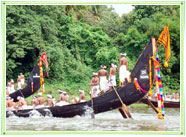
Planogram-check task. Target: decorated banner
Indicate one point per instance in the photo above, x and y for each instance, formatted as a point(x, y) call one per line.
point(164, 39)
point(159, 90)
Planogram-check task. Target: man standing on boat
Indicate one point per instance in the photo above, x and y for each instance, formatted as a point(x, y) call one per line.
point(123, 68)
point(22, 80)
point(18, 83)
point(94, 83)
point(12, 85)
point(102, 74)
point(112, 76)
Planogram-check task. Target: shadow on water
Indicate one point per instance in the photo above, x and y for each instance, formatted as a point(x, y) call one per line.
point(144, 119)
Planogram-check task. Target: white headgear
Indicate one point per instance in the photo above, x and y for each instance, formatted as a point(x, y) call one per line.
point(40, 93)
point(95, 74)
point(18, 97)
point(50, 96)
point(82, 91)
point(123, 54)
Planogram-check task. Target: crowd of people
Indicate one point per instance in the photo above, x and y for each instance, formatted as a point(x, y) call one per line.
point(173, 97)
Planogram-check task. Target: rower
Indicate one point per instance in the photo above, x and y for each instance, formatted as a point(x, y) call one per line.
point(7, 92)
point(18, 83)
point(22, 104)
point(40, 100)
point(123, 68)
point(112, 76)
point(66, 97)
point(34, 101)
point(9, 87)
point(61, 95)
point(12, 86)
point(22, 80)
point(49, 101)
point(81, 97)
point(61, 101)
point(9, 104)
point(94, 85)
point(14, 104)
point(102, 74)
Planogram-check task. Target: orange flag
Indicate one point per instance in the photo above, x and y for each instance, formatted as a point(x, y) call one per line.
point(164, 38)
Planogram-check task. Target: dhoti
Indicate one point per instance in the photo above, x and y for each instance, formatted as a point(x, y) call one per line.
point(95, 92)
point(123, 73)
point(103, 83)
point(62, 103)
point(22, 82)
point(112, 81)
point(19, 85)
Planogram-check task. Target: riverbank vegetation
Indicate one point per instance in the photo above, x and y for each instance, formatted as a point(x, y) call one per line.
point(78, 39)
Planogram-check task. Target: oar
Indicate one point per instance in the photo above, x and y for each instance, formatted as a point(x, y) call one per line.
point(124, 107)
point(92, 114)
point(149, 102)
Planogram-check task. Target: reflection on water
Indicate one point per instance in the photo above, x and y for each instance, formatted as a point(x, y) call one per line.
point(144, 119)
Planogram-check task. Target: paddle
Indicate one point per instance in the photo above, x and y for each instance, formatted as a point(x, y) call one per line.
point(153, 107)
point(124, 107)
point(92, 114)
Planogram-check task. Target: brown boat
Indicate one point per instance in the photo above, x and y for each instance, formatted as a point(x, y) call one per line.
point(167, 104)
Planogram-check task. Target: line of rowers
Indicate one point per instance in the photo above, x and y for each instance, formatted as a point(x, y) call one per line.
point(100, 83)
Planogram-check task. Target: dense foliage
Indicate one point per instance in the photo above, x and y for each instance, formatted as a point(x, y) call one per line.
point(78, 39)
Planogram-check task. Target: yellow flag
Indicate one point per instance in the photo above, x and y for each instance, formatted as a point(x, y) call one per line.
point(164, 38)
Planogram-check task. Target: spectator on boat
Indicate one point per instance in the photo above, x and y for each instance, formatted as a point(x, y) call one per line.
point(40, 100)
point(22, 104)
point(103, 82)
point(173, 98)
point(12, 86)
point(22, 80)
point(7, 92)
point(18, 83)
point(123, 68)
point(81, 97)
point(94, 85)
point(112, 76)
point(177, 97)
point(49, 101)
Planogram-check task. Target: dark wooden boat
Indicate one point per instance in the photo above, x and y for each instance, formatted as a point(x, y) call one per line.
point(167, 104)
point(27, 91)
point(108, 101)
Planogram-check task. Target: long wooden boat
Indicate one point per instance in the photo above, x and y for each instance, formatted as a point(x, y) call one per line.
point(167, 104)
point(108, 101)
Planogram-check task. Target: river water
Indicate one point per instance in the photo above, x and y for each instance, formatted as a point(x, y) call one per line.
point(144, 119)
